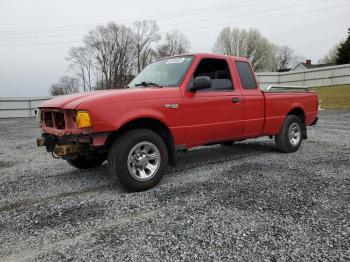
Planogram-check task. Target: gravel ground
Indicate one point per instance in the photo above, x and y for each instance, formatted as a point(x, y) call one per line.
point(246, 202)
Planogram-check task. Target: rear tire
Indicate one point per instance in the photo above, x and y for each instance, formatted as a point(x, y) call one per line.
point(138, 159)
point(291, 135)
point(83, 162)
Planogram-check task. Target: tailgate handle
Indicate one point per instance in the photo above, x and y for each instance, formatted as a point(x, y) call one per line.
point(235, 100)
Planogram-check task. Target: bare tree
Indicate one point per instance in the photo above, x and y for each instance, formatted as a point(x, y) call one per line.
point(250, 44)
point(175, 43)
point(66, 85)
point(146, 33)
point(284, 58)
point(114, 54)
point(81, 58)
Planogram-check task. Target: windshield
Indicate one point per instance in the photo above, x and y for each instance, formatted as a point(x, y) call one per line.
point(166, 72)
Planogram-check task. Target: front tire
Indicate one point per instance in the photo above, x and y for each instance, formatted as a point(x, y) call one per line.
point(83, 162)
point(290, 137)
point(138, 159)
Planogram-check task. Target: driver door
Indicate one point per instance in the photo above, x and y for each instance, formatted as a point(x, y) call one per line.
point(213, 114)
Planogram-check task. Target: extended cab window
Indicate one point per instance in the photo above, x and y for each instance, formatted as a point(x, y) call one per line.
point(218, 71)
point(246, 75)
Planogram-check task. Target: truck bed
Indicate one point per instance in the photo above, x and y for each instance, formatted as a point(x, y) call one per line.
point(278, 102)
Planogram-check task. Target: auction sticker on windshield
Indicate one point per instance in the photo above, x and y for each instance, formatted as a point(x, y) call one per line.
point(176, 60)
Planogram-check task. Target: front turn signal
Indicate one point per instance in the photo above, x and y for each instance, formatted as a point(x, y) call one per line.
point(83, 119)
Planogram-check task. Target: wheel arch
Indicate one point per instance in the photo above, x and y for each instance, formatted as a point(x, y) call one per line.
point(150, 123)
point(299, 112)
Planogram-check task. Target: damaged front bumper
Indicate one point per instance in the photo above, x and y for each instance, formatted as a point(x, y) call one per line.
point(70, 146)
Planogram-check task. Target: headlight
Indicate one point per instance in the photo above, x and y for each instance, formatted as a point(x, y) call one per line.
point(37, 113)
point(83, 119)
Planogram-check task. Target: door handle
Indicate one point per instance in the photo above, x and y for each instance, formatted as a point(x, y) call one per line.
point(235, 99)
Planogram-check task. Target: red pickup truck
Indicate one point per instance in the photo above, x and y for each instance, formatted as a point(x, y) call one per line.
point(174, 104)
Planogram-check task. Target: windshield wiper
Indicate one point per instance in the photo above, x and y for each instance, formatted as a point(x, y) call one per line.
point(146, 83)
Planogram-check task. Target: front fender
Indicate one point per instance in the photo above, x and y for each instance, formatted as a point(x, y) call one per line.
point(137, 114)
point(111, 117)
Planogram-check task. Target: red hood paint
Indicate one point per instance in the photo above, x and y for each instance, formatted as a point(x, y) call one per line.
point(83, 100)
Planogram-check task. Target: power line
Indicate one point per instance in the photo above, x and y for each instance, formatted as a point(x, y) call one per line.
point(36, 37)
point(247, 13)
point(263, 18)
point(241, 14)
point(40, 44)
point(186, 22)
point(310, 28)
point(166, 16)
point(210, 26)
point(159, 16)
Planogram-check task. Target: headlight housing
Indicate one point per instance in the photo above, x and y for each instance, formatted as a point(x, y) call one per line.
point(83, 119)
point(37, 113)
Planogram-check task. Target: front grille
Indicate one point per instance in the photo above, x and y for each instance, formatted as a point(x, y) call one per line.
point(48, 119)
point(59, 120)
point(54, 119)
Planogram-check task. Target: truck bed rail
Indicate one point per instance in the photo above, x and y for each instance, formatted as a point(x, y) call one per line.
point(277, 88)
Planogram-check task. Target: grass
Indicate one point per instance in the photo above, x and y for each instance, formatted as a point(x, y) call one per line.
point(334, 97)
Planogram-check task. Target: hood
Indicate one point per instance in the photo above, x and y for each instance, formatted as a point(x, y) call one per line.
point(66, 101)
point(110, 96)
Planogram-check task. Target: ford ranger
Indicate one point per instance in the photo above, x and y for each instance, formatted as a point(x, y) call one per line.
point(174, 104)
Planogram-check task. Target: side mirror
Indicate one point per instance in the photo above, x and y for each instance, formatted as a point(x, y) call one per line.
point(201, 82)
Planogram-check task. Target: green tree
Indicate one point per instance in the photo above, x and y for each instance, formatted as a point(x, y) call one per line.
point(344, 51)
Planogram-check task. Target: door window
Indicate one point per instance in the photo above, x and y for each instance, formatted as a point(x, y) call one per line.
point(219, 73)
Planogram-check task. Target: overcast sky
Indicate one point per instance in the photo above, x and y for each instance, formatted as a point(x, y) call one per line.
point(36, 35)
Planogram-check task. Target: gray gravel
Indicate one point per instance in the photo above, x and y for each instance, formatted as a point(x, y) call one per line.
point(245, 202)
